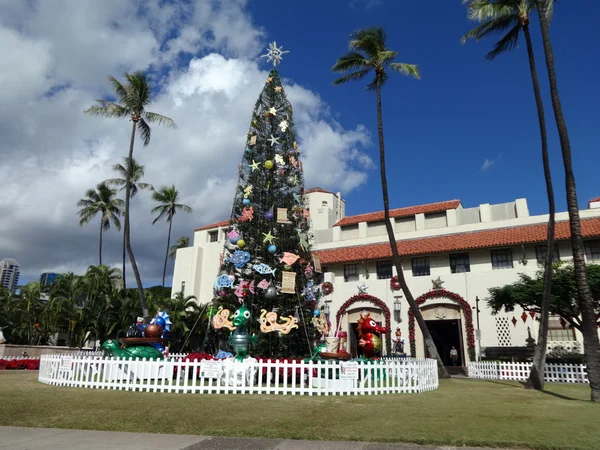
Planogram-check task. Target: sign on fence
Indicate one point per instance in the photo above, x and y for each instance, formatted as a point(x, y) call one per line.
point(65, 362)
point(349, 370)
point(210, 369)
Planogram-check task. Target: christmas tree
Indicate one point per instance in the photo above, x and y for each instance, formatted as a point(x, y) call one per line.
point(266, 262)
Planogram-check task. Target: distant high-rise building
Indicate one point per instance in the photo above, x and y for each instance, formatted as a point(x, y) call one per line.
point(9, 273)
point(47, 279)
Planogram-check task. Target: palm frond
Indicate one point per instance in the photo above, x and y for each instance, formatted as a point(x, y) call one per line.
point(411, 70)
point(107, 109)
point(158, 119)
point(163, 209)
point(368, 40)
point(352, 76)
point(496, 25)
point(507, 43)
point(119, 90)
point(144, 130)
point(351, 61)
point(184, 208)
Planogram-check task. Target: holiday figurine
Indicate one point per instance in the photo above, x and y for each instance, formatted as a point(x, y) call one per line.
point(368, 338)
point(240, 340)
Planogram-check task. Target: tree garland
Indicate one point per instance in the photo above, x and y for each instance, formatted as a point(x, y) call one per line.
point(443, 293)
point(376, 302)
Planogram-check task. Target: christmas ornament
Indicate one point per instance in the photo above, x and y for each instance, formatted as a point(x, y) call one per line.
point(279, 160)
point(241, 243)
point(247, 214)
point(273, 112)
point(289, 258)
point(268, 164)
point(273, 140)
point(316, 313)
point(274, 53)
point(264, 269)
point(269, 215)
point(240, 258)
point(290, 181)
point(254, 165)
point(271, 292)
point(263, 284)
point(248, 191)
point(288, 282)
point(234, 240)
point(272, 248)
point(278, 89)
point(223, 281)
point(269, 322)
point(246, 202)
point(283, 125)
point(282, 215)
point(268, 237)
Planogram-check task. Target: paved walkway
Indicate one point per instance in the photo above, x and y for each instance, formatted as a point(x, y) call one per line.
point(18, 438)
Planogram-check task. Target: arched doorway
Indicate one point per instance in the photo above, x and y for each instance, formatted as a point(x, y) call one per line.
point(379, 304)
point(464, 307)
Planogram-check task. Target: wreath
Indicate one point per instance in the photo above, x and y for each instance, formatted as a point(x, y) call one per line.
point(395, 283)
point(327, 288)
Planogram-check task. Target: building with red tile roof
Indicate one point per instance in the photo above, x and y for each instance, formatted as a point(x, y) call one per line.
point(463, 250)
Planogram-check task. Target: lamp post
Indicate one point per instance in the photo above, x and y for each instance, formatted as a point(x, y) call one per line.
point(478, 331)
point(397, 310)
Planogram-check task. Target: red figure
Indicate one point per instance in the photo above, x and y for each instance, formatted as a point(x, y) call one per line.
point(370, 342)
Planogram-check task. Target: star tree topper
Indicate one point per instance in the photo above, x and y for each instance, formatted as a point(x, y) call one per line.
point(274, 54)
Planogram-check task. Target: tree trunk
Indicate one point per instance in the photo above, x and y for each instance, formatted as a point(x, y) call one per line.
point(124, 260)
point(134, 266)
point(100, 247)
point(442, 372)
point(536, 376)
point(591, 345)
point(167, 255)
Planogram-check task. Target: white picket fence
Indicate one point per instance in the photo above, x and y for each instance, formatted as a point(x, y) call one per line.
point(248, 377)
point(79, 353)
point(556, 373)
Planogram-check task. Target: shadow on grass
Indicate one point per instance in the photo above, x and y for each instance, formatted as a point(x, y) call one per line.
point(506, 383)
point(563, 397)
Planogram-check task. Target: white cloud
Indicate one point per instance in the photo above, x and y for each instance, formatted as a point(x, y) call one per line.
point(487, 164)
point(58, 55)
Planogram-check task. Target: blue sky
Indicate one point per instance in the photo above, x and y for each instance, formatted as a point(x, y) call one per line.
point(465, 110)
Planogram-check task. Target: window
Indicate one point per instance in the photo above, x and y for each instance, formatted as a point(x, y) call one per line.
point(556, 332)
point(384, 270)
point(324, 269)
point(540, 254)
point(324, 204)
point(213, 236)
point(420, 267)
point(183, 288)
point(592, 251)
point(459, 263)
point(350, 272)
point(502, 259)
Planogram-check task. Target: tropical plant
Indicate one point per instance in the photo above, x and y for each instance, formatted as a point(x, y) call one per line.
point(181, 242)
point(132, 99)
point(101, 201)
point(137, 173)
point(369, 55)
point(498, 16)
point(167, 198)
point(591, 344)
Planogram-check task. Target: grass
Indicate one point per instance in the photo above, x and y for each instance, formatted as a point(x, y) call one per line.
point(460, 412)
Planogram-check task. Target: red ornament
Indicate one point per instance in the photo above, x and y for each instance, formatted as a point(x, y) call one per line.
point(514, 321)
point(524, 317)
point(532, 313)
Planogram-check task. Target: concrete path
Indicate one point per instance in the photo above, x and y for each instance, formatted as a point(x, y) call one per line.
point(19, 438)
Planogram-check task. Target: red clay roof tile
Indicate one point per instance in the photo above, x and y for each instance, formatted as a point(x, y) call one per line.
point(525, 234)
point(318, 189)
point(400, 212)
point(223, 223)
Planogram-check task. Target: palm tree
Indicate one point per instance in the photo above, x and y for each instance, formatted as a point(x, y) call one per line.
point(101, 200)
point(137, 173)
point(369, 54)
point(591, 344)
point(133, 98)
point(181, 242)
point(513, 15)
point(167, 197)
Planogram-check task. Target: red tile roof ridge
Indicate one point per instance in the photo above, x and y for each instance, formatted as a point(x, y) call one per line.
point(213, 225)
point(469, 240)
point(400, 212)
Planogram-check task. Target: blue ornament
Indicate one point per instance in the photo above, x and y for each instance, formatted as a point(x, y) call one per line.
point(234, 240)
point(240, 258)
point(223, 281)
point(246, 202)
point(272, 248)
point(316, 313)
point(160, 321)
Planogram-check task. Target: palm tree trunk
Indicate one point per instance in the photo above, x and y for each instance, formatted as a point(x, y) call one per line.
point(134, 266)
point(442, 372)
point(100, 247)
point(167, 254)
point(536, 376)
point(591, 344)
point(124, 259)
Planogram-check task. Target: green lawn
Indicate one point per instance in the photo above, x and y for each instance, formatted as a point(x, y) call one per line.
point(460, 412)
